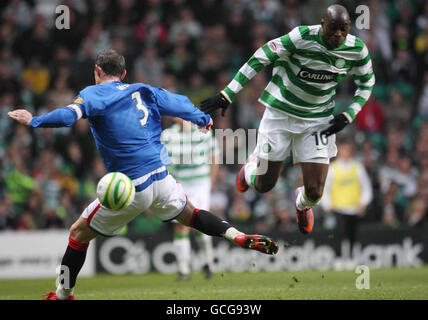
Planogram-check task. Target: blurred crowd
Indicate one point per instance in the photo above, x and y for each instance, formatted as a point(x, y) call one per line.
point(194, 48)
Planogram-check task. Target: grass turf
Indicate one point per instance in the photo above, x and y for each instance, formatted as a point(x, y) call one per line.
point(392, 283)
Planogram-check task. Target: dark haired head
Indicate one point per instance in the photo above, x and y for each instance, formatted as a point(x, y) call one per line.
point(111, 62)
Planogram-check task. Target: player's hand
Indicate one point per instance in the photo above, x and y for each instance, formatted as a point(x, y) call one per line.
point(337, 124)
point(213, 103)
point(21, 115)
point(207, 127)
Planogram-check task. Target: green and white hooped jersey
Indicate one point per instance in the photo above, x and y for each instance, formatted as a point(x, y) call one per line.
point(306, 74)
point(190, 151)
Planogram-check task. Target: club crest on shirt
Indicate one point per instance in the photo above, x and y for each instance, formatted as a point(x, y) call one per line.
point(272, 46)
point(78, 100)
point(267, 147)
point(339, 63)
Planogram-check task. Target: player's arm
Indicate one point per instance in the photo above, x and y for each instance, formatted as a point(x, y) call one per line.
point(63, 117)
point(265, 55)
point(364, 78)
point(177, 105)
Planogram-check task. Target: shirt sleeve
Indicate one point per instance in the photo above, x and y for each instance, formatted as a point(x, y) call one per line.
point(86, 104)
point(62, 117)
point(78, 106)
point(363, 76)
point(176, 105)
point(265, 55)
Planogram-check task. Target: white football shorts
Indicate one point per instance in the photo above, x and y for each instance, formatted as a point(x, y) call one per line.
point(198, 192)
point(157, 190)
point(280, 136)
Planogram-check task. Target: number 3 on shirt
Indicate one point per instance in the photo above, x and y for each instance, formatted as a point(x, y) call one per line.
point(140, 106)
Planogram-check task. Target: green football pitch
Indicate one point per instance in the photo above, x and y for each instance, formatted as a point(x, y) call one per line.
point(395, 283)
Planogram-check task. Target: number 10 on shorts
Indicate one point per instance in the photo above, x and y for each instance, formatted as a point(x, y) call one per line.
point(321, 140)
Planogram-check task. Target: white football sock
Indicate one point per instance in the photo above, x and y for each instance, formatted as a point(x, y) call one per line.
point(182, 253)
point(231, 233)
point(250, 170)
point(63, 293)
point(303, 202)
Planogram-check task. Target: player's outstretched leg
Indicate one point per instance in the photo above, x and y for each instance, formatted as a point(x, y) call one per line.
point(314, 176)
point(247, 174)
point(210, 224)
point(72, 261)
point(259, 174)
point(257, 242)
point(304, 216)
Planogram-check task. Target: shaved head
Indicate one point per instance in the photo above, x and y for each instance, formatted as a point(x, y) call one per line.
point(335, 25)
point(337, 13)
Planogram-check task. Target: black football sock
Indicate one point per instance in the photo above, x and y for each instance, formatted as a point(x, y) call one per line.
point(208, 223)
point(71, 263)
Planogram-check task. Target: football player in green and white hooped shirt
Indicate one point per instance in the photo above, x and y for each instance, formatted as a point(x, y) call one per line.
point(309, 63)
point(193, 163)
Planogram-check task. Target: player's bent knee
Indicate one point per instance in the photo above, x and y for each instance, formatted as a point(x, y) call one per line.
point(186, 215)
point(81, 232)
point(314, 192)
